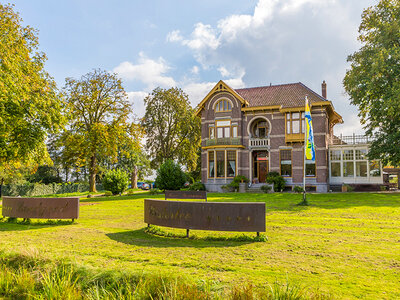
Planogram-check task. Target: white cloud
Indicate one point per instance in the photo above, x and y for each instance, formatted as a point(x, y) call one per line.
point(136, 98)
point(284, 41)
point(174, 36)
point(195, 70)
point(148, 71)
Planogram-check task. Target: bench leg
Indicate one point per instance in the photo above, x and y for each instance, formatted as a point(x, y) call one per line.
point(258, 233)
point(187, 233)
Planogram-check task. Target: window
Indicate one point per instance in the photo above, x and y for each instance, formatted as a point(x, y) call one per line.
point(223, 105)
point(335, 169)
point(286, 162)
point(223, 129)
point(348, 168)
point(223, 163)
point(295, 122)
point(361, 168)
point(231, 163)
point(335, 154)
point(212, 134)
point(310, 168)
point(374, 168)
point(220, 163)
point(348, 155)
point(211, 169)
point(234, 131)
point(361, 154)
point(260, 129)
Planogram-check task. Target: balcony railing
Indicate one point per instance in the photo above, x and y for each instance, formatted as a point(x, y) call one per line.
point(259, 143)
point(354, 139)
point(223, 141)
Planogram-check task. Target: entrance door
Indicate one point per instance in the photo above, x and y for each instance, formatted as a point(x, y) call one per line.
point(262, 171)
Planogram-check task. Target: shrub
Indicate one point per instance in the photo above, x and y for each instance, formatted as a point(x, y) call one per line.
point(107, 193)
point(298, 189)
point(266, 188)
point(155, 191)
point(197, 186)
point(170, 176)
point(236, 180)
point(277, 180)
point(115, 181)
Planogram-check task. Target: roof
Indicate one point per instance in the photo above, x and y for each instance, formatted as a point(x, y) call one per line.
point(284, 95)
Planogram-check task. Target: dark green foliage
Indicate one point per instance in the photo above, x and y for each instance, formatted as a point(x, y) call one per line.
point(170, 176)
point(115, 181)
point(277, 180)
point(236, 180)
point(372, 82)
point(45, 175)
point(38, 189)
point(266, 188)
point(197, 186)
point(298, 189)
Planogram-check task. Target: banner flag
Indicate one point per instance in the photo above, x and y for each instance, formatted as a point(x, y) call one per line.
point(310, 147)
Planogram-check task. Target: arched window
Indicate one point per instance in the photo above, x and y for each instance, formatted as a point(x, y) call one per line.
point(223, 105)
point(260, 129)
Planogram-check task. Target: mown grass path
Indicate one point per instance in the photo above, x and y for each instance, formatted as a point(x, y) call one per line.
point(347, 245)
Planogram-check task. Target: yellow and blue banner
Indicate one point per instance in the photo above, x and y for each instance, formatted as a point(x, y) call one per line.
point(310, 147)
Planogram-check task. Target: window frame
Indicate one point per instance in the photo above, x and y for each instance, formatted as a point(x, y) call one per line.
point(220, 105)
point(291, 162)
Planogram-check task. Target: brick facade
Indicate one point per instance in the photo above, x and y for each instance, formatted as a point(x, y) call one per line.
point(262, 105)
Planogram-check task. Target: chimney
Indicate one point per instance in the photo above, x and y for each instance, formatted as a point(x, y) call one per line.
point(323, 85)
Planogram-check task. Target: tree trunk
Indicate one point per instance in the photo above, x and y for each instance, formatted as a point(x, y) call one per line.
point(134, 176)
point(1, 187)
point(92, 174)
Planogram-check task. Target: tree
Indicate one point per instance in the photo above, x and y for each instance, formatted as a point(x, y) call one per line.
point(170, 176)
point(45, 174)
point(115, 181)
point(172, 129)
point(30, 107)
point(373, 81)
point(98, 112)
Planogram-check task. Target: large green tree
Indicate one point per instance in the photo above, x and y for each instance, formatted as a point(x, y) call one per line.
point(373, 81)
point(98, 111)
point(172, 129)
point(29, 105)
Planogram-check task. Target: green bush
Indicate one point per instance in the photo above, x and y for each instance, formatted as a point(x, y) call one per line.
point(266, 188)
point(170, 176)
point(298, 189)
point(115, 181)
point(197, 186)
point(236, 180)
point(277, 180)
point(155, 191)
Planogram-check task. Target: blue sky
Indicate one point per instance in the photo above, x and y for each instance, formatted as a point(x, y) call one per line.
point(193, 44)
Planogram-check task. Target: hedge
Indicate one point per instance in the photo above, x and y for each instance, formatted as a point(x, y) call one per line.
point(38, 189)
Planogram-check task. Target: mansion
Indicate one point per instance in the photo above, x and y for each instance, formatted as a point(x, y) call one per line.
point(253, 131)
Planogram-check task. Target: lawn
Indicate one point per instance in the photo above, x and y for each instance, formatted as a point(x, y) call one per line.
point(344, 244)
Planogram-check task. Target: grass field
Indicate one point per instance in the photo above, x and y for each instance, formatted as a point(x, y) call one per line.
point(343, 245)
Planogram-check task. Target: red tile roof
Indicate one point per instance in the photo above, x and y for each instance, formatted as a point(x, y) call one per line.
point(287, 95)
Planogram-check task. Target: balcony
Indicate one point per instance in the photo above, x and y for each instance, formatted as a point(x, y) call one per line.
point(355, 139)
point(223, 141)
point(259, 143)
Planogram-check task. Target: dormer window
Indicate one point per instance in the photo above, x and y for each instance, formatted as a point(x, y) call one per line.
point(223, 105)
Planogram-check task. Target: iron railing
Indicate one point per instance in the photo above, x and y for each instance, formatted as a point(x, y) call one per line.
point(223, 141)
point(355, 139)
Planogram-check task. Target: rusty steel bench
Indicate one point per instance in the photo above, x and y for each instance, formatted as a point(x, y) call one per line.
point(41, 208)
point(202, 195)
point(218, 216)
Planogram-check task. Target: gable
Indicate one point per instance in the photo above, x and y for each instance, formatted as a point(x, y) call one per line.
point(218, 88)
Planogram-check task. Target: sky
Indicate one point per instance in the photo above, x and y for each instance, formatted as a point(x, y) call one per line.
point(194, 44)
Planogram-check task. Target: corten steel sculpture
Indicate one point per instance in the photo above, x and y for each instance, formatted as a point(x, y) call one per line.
point(41, 208)
point(218, 216)
point(201, 195)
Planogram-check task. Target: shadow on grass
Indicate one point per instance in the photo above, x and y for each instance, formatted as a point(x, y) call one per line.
point(20, 224)
point(140, 195)
point(144, 237)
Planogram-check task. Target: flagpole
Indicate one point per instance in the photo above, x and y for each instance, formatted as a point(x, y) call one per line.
point(304, 154)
